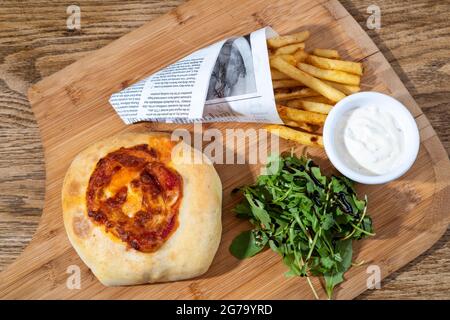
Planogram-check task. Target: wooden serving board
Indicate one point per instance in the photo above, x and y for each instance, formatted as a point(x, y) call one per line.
point(72, 111)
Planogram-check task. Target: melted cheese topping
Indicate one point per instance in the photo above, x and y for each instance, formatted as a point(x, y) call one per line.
point(135, 196)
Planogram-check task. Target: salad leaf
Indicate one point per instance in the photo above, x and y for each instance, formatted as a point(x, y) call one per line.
point(306, 217)
point(245, 245)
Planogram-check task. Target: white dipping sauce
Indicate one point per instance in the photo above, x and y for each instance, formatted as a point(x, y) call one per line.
point(373, 138)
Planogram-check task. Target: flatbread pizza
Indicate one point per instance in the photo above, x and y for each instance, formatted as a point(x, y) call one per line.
point(137, 209)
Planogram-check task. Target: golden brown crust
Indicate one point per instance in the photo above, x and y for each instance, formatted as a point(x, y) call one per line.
point(189, 250)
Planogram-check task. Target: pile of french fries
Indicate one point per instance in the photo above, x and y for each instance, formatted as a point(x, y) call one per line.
point(307, 85)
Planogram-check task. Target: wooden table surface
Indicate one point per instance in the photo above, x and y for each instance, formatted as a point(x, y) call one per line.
point(35, 42)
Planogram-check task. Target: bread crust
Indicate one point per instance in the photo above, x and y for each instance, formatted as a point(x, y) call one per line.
point(187, 253)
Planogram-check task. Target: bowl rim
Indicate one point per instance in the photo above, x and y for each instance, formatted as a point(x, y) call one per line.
point(412, 147)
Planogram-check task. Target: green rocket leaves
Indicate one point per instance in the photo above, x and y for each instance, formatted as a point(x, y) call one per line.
point(307, 218)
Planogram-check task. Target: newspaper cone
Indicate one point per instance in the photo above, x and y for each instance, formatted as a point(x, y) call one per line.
point(228, 81)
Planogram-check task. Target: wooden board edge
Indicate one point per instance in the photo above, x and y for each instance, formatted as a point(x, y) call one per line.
point(432, 143)
point(359, 36)
point(445, 163)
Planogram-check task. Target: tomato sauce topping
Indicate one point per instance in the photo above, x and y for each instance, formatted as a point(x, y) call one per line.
point(135, 196)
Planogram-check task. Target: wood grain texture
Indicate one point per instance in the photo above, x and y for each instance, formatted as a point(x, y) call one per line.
point(44, 46)
point(34, 43)
point(415, 38)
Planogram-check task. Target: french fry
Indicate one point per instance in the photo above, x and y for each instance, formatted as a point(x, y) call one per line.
point(300, 55)
point(282, 90)
point(331, 75)
point(331, 64)
point(308, 80)
point(301, 115)
point(277, 75)
point(326, 53)
point(304, 138)
point(312, 106)
point(286, 57)
point(282, 41)
point(345, 88)
point(286, 84)
point(302, 125)
point(302, 93)
point(320, 99)
point(289, 49)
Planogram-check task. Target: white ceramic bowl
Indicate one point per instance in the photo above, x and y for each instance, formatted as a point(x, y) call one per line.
point(401, 114)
